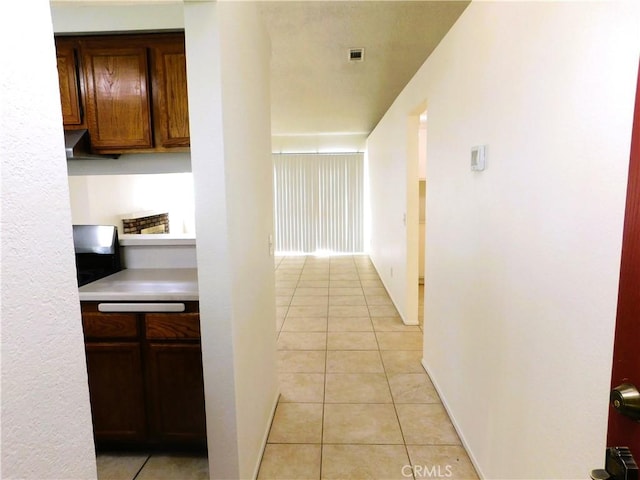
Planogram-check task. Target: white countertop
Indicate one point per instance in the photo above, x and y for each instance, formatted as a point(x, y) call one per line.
point(162, 239)
point(144, 284)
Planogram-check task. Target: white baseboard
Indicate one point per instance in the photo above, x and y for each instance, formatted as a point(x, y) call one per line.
point(453, 421)
point(266, 435)
point(404, 320)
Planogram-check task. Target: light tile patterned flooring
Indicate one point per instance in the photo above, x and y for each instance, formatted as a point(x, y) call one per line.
point(143, 466)
point(355, 401)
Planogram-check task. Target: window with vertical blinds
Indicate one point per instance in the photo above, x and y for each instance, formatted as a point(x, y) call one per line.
point(319, 203)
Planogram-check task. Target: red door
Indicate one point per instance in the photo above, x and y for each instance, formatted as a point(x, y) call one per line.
point(623, 430)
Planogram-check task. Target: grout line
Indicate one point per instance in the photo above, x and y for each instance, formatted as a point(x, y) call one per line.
point(290, 301)
point(324, 391)
point(143, 465)
point(367, 269)
point(393, 400)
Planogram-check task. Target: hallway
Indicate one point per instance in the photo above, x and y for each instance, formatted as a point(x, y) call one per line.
point(355, 401)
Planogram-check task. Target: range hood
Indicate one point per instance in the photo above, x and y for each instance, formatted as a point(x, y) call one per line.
point(76, 143)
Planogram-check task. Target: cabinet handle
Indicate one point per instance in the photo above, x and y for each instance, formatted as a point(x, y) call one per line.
point(140, 307)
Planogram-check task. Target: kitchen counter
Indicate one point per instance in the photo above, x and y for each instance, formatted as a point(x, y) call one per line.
point(164, 239)
point(144, 284)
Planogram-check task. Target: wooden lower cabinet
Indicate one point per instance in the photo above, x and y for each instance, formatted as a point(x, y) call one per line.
point(116, 391)
point(176, 392)
point(145, 385)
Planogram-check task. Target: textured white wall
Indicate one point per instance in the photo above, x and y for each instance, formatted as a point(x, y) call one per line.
point(522, 260)
point(227, 49)
point(46, 418)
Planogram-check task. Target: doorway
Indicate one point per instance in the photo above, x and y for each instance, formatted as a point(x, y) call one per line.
point(415, 217)
point(422, 208)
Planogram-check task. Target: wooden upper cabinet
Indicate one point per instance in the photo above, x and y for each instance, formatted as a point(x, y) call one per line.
point(69, 84)
point(171, 110)
point(117, 96)
point(129, 91)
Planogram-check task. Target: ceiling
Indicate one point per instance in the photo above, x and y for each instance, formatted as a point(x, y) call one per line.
point(315, 89)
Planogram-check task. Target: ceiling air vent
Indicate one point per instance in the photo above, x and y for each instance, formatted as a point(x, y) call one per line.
point(356, 54)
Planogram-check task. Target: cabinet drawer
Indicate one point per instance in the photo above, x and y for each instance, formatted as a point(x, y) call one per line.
point(167, 326)
point(110, 325)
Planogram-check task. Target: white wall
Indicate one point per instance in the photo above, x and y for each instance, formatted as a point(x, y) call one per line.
point(227, 49)
point(523, 259)
point(80, 16)
point(319, 143)
point(46, 418)
point(246, 53)
point(103, 199)
point(388, 204)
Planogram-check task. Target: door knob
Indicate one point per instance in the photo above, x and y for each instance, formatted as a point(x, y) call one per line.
point(618, 465)
point(625, 399)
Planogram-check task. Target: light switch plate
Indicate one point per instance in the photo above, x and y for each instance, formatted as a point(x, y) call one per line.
point(478, 158)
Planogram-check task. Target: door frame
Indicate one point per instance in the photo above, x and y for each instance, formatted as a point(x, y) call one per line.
point(412, 217)
point(621, 430)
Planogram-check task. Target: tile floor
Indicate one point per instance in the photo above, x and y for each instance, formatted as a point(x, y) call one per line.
point(355, 401)
point(143, 466)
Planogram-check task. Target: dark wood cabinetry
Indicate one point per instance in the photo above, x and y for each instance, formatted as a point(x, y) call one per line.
point(170, 93)
point(145, 377)
point(117, 96)
point(116, 391)
point(69, 83)
point(176, 391)
point(174, 375)
point(134, 91)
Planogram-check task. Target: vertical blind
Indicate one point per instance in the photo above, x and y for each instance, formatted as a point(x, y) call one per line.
point(319, 202)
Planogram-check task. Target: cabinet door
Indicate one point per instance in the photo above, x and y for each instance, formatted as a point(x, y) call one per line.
point(171, 110)
point(116, 391)
point(69, 86)
point(176, 393)
point(118, 107)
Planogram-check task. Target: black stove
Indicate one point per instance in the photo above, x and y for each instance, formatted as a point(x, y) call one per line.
point(97, 252)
